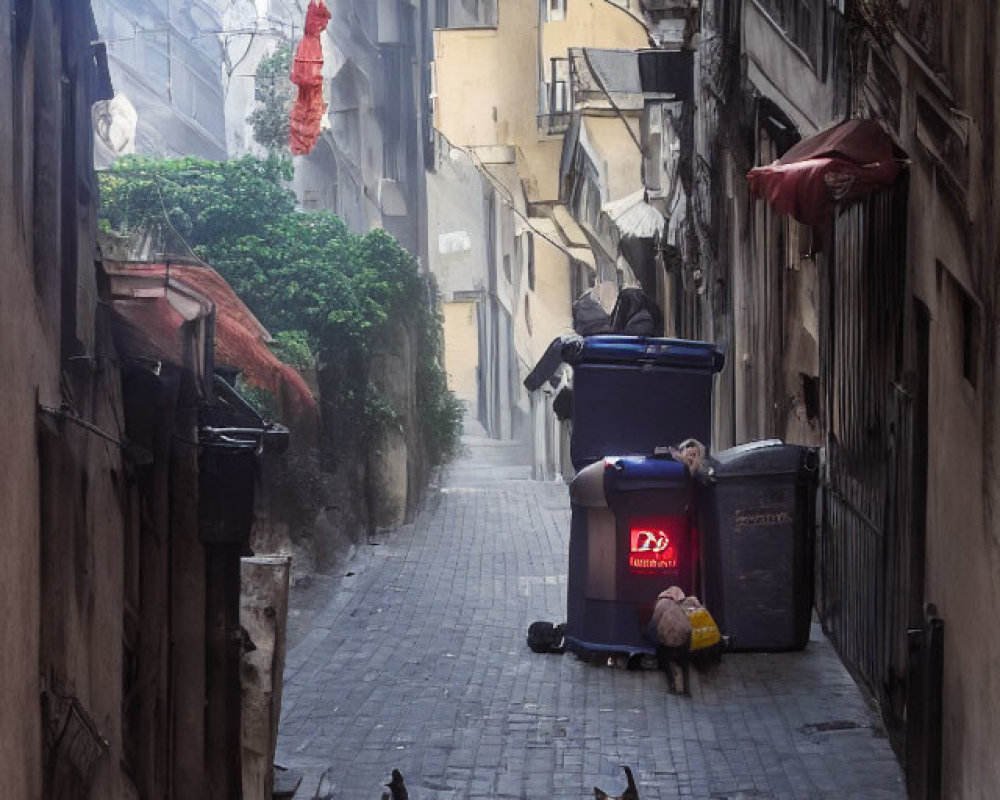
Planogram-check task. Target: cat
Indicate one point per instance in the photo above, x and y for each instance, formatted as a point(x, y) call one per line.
point(680, 656)
point(670, 629)
point(631, 793)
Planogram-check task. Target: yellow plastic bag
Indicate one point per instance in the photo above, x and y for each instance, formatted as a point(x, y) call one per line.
point(704, 631)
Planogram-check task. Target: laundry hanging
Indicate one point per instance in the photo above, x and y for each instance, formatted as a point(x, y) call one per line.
point(307, 74)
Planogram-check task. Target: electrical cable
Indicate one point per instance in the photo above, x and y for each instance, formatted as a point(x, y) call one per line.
point(507, 198)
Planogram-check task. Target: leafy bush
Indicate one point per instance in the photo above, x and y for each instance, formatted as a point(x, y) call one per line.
point(329, 297)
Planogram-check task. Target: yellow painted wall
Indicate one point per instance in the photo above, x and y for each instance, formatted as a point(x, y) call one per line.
point(486, 81)
point(622, 161)
point(461, 351)
point(552, 292)
point(593, 23)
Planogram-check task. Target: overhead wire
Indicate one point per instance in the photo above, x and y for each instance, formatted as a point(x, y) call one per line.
point(506, 197)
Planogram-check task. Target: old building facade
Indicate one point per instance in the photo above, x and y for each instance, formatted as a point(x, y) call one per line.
point(60, 588)
point(869, 332)
point(166, 64)
point(509, 256)
point(127, 500)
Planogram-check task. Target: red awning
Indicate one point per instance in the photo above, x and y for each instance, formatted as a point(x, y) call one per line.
point(156, 330)
point(843, 162)
point(307, 74)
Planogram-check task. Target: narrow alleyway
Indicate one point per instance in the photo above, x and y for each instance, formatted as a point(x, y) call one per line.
point(418, 661)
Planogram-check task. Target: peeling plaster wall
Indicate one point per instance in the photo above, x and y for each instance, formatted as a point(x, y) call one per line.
point(60, 577)
point(944, 116)
point(29, 348)
point(953, 247)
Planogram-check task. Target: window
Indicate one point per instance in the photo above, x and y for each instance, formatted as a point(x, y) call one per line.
point(459, 14)
point(970, 338)
point(531, 262)
point(929, 25)
point(441, 14)
point(555, 10)
point(392, 63)
point(964, 323)
point(559, 85)
point(800, 20)
point(558, 95)
point(390, 159)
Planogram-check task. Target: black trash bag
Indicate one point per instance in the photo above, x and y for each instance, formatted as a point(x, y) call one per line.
point(544, 637)
point(561, 349)
point(635, 314)
point(562, 404)
point(589, 316)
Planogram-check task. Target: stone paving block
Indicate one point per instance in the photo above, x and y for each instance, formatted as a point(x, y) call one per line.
point(419, 662)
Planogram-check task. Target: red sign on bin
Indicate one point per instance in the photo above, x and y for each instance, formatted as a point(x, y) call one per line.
point(653, 544)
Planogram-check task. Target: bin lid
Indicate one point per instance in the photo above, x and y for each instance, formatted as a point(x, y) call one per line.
point(635, 473)
point(680, 353)
point(764, 457)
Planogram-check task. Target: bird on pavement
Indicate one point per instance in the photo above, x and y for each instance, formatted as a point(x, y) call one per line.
point(397, 789)
point(631, 793)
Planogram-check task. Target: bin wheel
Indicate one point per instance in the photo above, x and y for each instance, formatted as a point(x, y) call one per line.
point(591, 657)
point(635, 661)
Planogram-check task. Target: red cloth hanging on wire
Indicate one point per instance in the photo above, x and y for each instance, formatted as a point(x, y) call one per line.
point(307, 74)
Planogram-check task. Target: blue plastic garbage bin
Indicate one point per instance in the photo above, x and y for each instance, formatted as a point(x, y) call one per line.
point(633, 394)
point(632, 536)
point(757, 522)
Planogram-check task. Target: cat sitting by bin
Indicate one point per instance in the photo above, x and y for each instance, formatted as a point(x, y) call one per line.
point(684, 633)
point(670, 629)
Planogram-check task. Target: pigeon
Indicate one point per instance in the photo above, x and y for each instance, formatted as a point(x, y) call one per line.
point(397, 789)
point(631, 793)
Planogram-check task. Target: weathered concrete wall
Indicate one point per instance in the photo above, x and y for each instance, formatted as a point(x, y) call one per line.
point(456, 224)
point(60, 628)
point(263, 612)
point(395, 463)
point(785, 74)
point(29, 364)
point(954, 262)
point(939, 104)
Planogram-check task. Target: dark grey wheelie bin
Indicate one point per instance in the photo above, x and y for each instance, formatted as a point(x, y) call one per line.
point(632, 536)
point(632, 394)
point(757, 510)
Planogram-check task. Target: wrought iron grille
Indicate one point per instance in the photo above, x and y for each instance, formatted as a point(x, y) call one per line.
point(866, 593)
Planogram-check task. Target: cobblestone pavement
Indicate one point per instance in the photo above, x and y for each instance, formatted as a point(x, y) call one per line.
point(418, 661)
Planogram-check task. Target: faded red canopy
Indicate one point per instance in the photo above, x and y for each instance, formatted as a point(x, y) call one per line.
point(847, 161)
point(307, 74)
point(156, 330)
